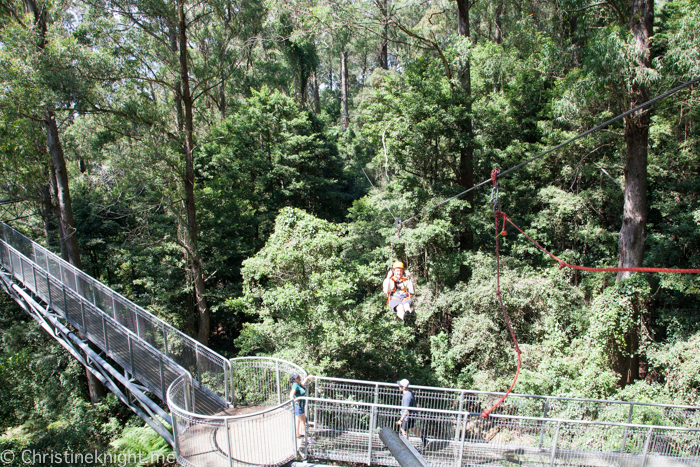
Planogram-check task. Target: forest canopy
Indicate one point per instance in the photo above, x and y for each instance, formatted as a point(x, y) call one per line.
point(239, 168)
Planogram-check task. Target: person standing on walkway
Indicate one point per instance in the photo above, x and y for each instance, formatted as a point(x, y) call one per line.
point(299, 390)
point(408, 417)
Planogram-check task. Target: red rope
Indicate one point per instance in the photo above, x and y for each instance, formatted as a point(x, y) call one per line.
point(486, 413)
point(564, 264)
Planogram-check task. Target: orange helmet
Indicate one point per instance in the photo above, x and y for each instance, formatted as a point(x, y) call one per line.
point(397, 264)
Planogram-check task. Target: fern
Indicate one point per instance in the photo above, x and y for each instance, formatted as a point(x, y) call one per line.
point(142, 446)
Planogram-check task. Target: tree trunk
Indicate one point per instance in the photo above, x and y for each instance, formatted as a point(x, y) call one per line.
point(47, 212)
point(69, 241)
point(179, 111)
point(466, 160)
point(344, 89)
point(303, 84)
point(194, 262)
point(466, 157)
point(317, 94)
point(497, 33)
point(67, 231)
point(330, 73)
point(384, 52)
point(634, 215)
point(222, 96)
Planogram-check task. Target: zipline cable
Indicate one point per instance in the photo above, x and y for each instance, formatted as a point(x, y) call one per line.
point(396, 219)
point(496, 174)
point(604, 124)
point(570, 140)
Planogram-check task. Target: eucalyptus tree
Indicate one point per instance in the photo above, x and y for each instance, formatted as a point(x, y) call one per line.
point(166, 83)
point(640, 21)
point(41, 83)
point(328, 24)
point(619, 54)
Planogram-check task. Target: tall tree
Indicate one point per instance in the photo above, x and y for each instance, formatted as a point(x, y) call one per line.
point(634, 216)
point(466, 156)
point(384, 50)
point(344, 89)
point(47, 103)
point(195, 268)
point(174, 80)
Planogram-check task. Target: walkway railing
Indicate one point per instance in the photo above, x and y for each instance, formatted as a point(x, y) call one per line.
point(237, 412)
point(258, 430)
point(347, 414)
point(144, 345)
point(523, 405)
point(349, 431)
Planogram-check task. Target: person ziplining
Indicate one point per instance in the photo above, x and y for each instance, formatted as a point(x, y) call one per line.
point(399, 290)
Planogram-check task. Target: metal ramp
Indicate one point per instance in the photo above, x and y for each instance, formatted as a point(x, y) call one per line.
point(234, 412)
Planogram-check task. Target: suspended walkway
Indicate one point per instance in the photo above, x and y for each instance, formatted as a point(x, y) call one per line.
point(235, 412)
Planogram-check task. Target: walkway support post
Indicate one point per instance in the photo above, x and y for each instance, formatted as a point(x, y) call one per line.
point(372, 425)
point(624, 437)
point(228, 443)
point(461, 418)
point(399, 450)
point(279, 387)
point(544, 415)
point(554, 445)
point(646, 447)
point(463, 430)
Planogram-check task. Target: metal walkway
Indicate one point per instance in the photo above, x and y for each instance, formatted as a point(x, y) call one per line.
point(234, 412)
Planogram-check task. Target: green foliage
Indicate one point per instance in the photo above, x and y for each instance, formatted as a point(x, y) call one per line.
point(294, 242)
point(678, 361)
point(617, 311)
point(45, 407)
point(143, 445)
point(309, 302)
point(544, 311)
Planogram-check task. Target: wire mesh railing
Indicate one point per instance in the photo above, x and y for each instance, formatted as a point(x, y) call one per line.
point(265, 437)
point(522, 405)
point(100, 313)
point(261, 381)
point(348, 431)
point(154, 370)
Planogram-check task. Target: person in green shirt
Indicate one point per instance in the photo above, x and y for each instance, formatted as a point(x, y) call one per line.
point(299, 390)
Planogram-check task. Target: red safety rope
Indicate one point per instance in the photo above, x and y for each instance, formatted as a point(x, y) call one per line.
point(497, 214)
point(564, 264)
point(486, 413)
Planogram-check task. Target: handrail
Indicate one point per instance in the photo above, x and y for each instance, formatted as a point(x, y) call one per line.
point(511, 395)
point(130, 336)
point(224, 418)
point(499, 416)
point(139, 311)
